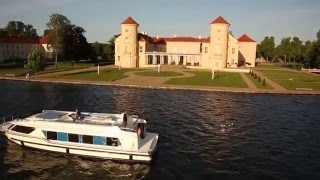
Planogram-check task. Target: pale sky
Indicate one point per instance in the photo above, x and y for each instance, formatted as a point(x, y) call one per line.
point(101, 18)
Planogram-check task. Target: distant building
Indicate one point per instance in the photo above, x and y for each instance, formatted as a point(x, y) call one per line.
point(16, 47)
point(220, 50)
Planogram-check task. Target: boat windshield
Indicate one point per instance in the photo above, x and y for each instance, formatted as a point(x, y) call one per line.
point(50, 115)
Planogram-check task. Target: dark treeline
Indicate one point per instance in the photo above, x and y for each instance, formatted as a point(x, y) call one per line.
point(19, 29)
point(291, 50)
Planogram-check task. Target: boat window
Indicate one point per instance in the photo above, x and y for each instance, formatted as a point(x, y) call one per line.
point(99, 140)
point(23, 129)
point(51, 135)
point(73, 137)
point(62, 136)
point(87, 139)
point(112, 141)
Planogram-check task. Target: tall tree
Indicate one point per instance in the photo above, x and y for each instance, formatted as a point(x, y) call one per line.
point(57, 25)
point(75, 44)
point(267, 47)
point(19, 29)
point(284, 48)
point(296, 48)
point(109, 49)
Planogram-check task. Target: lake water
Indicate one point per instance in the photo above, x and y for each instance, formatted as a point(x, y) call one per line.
point(203, 135)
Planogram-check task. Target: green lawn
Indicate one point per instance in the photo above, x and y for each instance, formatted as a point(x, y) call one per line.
point(278, 66)
point(293, 79)
point(62, 66)
point(161, 74)
point(13, 72)
point(258, 84)
point(105, 75)
point(65, 66)
point(203, 78)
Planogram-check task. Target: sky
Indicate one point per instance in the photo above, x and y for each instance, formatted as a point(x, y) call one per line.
point(101, 19)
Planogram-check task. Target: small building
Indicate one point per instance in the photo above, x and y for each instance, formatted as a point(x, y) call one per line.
point(218, 51)
point(20, 48)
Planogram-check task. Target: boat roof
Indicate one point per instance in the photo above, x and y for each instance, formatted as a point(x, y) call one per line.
point(106, 119)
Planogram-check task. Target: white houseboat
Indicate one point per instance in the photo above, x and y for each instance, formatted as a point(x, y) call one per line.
point(103, 135)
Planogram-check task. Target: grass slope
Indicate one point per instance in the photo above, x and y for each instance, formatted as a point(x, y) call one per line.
point(203, 78)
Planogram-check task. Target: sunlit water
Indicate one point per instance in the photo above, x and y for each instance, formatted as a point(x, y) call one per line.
point(203, 135)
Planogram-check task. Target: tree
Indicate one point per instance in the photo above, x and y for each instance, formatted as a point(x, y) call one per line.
point(36, 60)
point(75, 45)
point(19, 29)
point(57, 25)
point(267, 47)
point(3, 32)
point(296, 48)
point(284, 48)
point(97, 49)
point(109, 49)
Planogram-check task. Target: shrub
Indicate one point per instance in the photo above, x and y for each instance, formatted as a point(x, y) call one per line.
point(255, 76)
point(259, 80)
point(36, 61)
point(263, 82)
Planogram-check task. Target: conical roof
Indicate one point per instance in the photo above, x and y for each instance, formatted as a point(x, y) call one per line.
point(245, 38)
point(219, 20)
point(129, 20)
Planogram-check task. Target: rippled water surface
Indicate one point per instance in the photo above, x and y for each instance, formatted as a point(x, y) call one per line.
point(203, 135)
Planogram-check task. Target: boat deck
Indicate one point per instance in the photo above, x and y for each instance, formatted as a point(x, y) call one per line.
point(85, 118)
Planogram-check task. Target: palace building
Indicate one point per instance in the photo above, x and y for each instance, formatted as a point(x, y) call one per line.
point(17, 47)
point(218, 51)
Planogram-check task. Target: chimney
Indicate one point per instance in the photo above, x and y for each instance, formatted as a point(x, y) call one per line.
point(174, 35)
point(199, 37)
point(157, 37)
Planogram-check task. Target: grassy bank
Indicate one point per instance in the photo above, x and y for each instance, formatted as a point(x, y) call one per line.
point(203, 78)
point(161, 74)
point(293, 80)
point(105, 75)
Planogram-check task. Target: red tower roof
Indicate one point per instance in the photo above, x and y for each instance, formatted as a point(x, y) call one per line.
point(129, 20)
point(220, 20)
point(245, 38)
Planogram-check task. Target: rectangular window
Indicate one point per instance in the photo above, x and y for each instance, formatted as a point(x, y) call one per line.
point(112, 141)
point(87, 139)
point(140, 48)
point(118, 58)
point(233, 50)
point(99, 140)
point(206, 50)
point(23, 129)
point(232, 61)
point(73, 137)
point(51, 135)
point(62, 136)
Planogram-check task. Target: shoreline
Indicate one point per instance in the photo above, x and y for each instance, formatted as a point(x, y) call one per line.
point(170, 87)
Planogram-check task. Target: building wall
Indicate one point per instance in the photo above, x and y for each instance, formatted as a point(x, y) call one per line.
point(247, 53)
point(21, 51)
point(223, 50)
point(218, 45)
point(233, 48)
point(183, 47)
point(126, 46)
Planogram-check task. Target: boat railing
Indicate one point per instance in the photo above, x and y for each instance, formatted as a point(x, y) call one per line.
point(7, 118)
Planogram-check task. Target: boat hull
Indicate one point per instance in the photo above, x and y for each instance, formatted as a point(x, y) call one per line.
point(45, 145)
